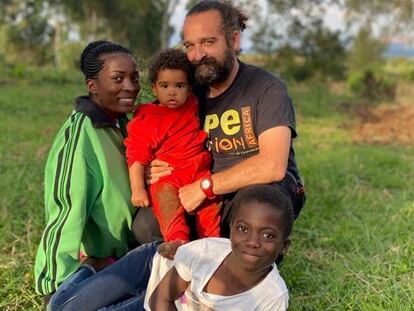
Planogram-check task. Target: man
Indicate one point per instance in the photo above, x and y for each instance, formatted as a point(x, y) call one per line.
point(247, 112)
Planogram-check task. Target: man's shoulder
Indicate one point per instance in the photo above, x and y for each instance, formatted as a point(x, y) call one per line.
point(259, 75)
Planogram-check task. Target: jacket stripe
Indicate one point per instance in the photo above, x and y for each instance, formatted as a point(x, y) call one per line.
point(62, 199)
point(66, 190)
point(42, 276)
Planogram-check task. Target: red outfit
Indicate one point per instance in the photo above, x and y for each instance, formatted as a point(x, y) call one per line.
point(174, 136)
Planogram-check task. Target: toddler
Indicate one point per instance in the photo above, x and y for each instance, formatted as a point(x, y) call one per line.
point(168, 129)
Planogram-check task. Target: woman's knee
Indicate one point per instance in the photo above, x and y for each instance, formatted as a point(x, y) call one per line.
point(145, 227)
point(68, 291)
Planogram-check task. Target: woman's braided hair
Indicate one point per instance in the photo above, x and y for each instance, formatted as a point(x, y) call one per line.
point(92, 60)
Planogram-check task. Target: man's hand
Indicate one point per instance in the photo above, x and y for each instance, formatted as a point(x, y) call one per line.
point(155, 170)
point(139, 198)
point(191, 196)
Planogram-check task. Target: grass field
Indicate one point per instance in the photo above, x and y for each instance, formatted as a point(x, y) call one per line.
point(352, 246)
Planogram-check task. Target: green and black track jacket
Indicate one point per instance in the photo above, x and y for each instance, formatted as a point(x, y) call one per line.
point(87, 195)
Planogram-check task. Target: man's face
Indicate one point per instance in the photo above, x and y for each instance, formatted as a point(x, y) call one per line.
point(207, 49)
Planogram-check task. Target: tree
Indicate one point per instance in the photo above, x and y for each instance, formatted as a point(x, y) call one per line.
point(398, 14)
point(27, 30)
point(144, 28)
point(366, 51)
point(323, 52)
point(296, 42)
point(365, 76)
point(167, 7)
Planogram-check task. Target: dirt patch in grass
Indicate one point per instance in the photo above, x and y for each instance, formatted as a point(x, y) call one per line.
point(387, 123)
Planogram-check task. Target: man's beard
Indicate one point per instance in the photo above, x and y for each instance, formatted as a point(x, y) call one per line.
point(210, 71)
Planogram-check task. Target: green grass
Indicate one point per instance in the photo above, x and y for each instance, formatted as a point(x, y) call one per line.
point(352, 246)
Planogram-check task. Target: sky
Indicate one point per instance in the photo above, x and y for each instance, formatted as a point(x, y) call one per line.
point(334, 19)
point(177, 21)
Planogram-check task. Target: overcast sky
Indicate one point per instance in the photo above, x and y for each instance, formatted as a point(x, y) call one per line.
point(333, 18)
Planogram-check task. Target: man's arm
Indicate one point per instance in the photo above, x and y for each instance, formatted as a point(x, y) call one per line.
point(269, 165)
point(169, 290)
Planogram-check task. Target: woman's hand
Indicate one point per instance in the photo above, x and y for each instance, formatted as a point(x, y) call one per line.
point(155, 170)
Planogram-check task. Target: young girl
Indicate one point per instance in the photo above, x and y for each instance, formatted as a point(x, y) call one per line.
point(236, 274)
point(207, 274)
point(168, 129)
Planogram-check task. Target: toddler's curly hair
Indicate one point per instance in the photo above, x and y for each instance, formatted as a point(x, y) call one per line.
point(170, 59)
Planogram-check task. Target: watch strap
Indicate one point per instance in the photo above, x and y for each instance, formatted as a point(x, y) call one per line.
point(208, 191)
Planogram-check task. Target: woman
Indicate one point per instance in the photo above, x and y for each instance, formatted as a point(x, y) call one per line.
point(86, 180)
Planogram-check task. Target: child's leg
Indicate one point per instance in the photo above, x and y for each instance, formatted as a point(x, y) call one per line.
point(208, 218)
point(169, 211)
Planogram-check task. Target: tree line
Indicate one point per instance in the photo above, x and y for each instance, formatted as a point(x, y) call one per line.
point(41, 31)
point(290, 34)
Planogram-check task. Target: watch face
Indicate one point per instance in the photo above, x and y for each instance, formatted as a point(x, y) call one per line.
point(205, 184)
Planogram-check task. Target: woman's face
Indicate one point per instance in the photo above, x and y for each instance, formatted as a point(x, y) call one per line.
point(116, 86)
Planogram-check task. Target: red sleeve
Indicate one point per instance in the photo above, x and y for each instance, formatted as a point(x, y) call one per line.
point(141, 139)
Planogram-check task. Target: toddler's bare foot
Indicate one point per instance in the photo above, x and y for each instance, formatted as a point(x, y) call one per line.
point(168, 249)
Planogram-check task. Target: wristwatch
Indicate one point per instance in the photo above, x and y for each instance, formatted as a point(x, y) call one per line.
point(206, 185)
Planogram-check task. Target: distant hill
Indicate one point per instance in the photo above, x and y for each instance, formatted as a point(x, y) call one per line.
point(399, 50)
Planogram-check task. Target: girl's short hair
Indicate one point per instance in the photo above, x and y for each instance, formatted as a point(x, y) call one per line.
point(274, 195)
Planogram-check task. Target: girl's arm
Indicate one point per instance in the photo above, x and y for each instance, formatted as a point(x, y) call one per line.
point(171, 287)
point(139, 196)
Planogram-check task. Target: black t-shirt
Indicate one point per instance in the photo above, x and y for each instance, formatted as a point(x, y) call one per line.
point(255, 102)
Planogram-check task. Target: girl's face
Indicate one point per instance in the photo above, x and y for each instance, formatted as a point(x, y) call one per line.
point(257, 236)
point(117, 85)
point(171, 88)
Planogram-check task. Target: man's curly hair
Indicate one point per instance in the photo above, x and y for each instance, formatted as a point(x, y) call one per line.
point(232, 17)
point(170, 59)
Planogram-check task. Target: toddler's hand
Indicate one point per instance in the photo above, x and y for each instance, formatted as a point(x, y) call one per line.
point(140, 198)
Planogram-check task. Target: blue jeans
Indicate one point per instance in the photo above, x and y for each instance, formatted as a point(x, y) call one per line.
point(120, 286)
